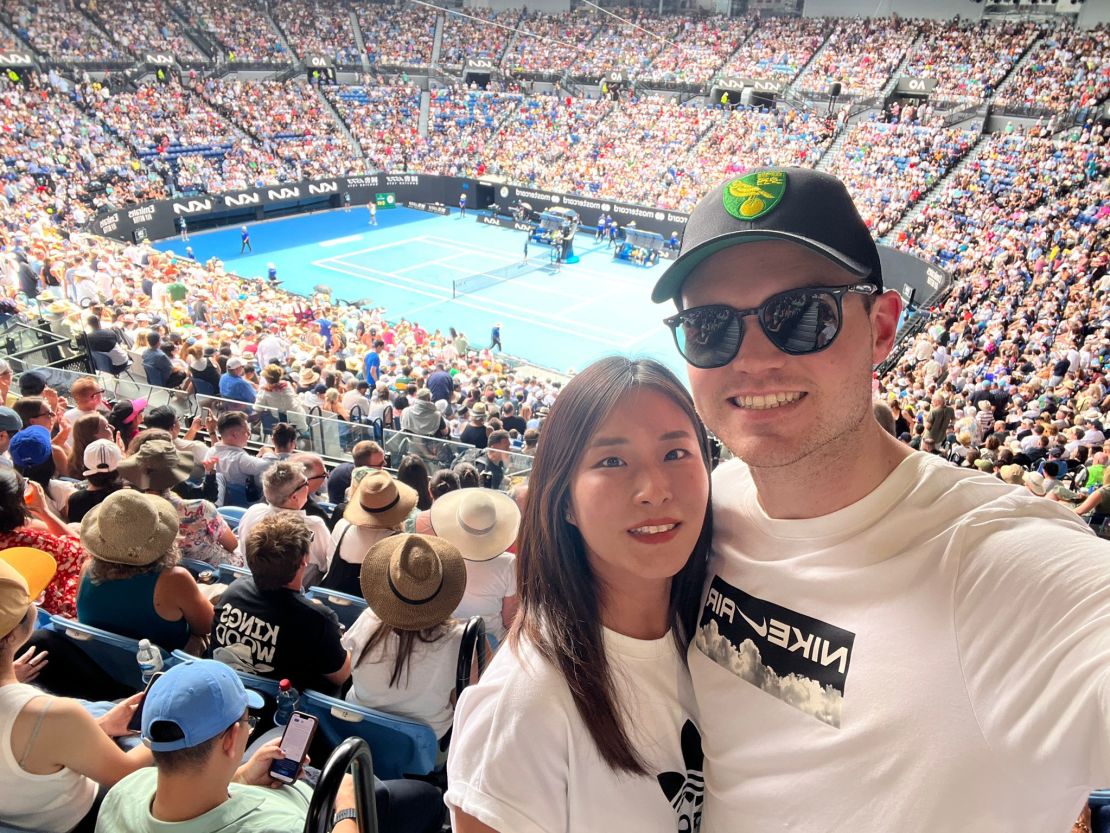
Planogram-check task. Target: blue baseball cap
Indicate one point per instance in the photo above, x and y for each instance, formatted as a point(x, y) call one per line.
point(30, 446)
point(202, 698)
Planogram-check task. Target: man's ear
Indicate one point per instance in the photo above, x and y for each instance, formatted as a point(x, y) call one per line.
point(886, 309)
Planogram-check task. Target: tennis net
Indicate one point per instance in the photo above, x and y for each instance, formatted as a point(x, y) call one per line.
point(491, 277)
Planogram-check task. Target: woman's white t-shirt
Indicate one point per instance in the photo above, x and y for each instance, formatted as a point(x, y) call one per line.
point(522, 760)
point(424, 690)
point(488, 583)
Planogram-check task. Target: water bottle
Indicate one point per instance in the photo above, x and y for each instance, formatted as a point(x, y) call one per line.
point(287, 698)
point(149, 658)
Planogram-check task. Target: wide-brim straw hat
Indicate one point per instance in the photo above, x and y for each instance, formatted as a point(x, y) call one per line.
point(482, 523)
point(380, 501)
point(157, 466)
point(413, 582)
point(130, 528)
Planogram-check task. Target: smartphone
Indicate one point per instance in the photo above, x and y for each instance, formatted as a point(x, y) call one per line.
point(294, 745)
point(135, 724)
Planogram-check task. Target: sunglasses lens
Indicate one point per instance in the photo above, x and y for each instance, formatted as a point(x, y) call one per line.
point(708, 336)
point(803, 321)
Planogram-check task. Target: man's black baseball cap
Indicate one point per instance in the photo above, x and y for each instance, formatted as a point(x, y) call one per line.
point(801, 205)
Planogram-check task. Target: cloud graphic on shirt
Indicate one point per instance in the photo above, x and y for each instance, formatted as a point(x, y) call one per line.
point(804, 694)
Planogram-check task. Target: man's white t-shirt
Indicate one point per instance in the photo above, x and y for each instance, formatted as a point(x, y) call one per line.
point(318, 551)
point(933, 657)
point(488, 584)
point(522, 760)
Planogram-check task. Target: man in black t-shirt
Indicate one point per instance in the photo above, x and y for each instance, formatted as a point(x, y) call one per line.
point(264, 625)
point(510, 421)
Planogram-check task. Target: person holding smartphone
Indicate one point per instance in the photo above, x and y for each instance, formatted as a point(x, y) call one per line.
point(197, 721)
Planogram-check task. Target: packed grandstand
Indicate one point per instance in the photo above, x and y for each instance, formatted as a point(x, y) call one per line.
point(999, 176)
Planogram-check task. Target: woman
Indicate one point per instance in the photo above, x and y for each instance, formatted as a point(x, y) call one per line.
point(585, 720)
point(404, 653)
point(413, 473)
point(86, 429)
point(376, 510)
point(126, 417)
point(381, 406)
point(483, 524)
point(201, 367)
point(332, 405)
point(1098, 501)
point(26, 520)
point(57, 756)
point(101, 471)
point(155, 465)
point(279, 395)
point(131, 586)
point(442, 482)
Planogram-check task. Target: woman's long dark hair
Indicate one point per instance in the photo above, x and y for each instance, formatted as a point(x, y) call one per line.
point(560, 604)
point(407, 642)
point(13, 509)
point(412, 472)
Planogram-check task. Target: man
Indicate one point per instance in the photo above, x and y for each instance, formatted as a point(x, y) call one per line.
point(272, 349)
point(317, 476)
point(356, 398)
point(245, 238)
point(108, 341)
point(422, 417)
point(204, 467)
point(494, 460)
point(157, 365)
point(441, 384)
point(510, 421)
point(462, 205)
point(264, 624)
point(365, 453)
point(372, 365)
point(88, 398)
point(232, 384)
point(906, 624)
point(197, 723)
point(237, 472)
point(495, 337)
point(939, 420)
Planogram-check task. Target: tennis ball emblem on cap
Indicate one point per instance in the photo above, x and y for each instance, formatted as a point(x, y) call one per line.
point(751, 196)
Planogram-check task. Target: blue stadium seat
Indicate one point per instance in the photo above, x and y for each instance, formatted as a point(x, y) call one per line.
point(400, 746)
point(348, 608)
point(235, 496)
point(263, 685)
point(112, 652)
point(229, 572)
point(1099, 802)
point(232, 514)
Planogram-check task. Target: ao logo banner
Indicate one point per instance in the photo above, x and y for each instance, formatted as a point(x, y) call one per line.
point(916, 86)
point(16, 60)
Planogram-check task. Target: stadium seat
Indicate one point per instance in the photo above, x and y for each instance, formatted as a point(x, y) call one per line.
point(112, 652)
point(346, 607)
point(263, 685)
point(229, 572)
point(232, 514)
point(235, 496)
point(400, 746)
point(1099, 802)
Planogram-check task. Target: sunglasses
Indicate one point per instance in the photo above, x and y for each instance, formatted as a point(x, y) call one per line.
point(798, 322)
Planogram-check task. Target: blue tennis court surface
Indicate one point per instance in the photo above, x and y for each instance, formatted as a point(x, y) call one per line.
point(559, 319)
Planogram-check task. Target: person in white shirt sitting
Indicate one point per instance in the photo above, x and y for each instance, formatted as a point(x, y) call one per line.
point(405, 646)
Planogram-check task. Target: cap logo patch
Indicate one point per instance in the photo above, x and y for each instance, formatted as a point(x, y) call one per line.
point(754, 195)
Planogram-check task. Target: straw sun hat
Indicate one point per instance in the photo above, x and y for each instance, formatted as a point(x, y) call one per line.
point(380, 501)
point(482, 523)
point(413, 582)
point(130, 528)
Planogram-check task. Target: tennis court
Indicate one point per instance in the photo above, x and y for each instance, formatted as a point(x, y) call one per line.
point(451, 272)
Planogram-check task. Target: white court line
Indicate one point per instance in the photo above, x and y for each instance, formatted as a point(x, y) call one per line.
point(652, 332)
point(407, 241)
point(338, 241)
point(508, 313)
point(590, 300)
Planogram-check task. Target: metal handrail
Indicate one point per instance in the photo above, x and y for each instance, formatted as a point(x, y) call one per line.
point(352, 754)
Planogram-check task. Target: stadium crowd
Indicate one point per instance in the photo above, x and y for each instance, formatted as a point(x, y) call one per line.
point(318, 29)
point(1007, 376)
point(850, 57)
point(142, 28)
point(240, 27)
point(777, 48)
point(397, 37)
point(483, 37)
point(698, 51)
point(1069, 68)
point(58, 28)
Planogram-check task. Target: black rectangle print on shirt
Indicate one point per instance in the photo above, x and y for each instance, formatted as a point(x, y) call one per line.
point(796, 658)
